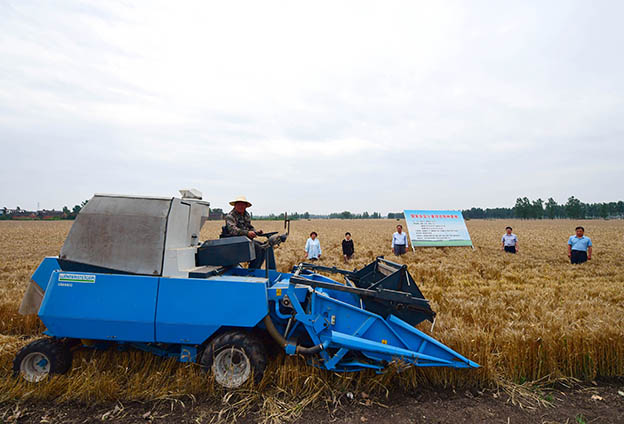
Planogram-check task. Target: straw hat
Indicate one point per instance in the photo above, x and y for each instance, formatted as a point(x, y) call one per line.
point(240, 199)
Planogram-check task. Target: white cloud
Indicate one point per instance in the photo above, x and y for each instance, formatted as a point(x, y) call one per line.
point(439, 99)
point(287, 149)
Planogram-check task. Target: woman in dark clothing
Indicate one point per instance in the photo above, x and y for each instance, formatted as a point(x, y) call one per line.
point(347, 247)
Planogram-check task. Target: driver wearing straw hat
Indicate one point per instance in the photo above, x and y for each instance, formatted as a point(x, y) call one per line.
point(238, 223)
point(238, 220)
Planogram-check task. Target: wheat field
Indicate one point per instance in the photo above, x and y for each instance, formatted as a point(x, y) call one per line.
point(526, 317)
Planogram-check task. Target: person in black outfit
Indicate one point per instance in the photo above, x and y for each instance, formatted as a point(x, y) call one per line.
point(347, 247)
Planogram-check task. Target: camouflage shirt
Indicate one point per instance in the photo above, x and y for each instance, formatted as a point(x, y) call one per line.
point(237, 224)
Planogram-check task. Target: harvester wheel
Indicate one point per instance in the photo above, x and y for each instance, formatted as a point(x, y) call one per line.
point(234, 357)
point(43, 357)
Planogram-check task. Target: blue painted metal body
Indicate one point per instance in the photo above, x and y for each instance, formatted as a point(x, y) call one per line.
point(190, 310)
point(176, 316)
point(44, 271)
point(101, 307)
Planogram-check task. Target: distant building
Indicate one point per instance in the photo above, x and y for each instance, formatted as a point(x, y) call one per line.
point(46, 214)
point(215, 214)
point(22, 214)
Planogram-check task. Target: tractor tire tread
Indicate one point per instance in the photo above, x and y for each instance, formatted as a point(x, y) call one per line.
point(246, 340)
point(56, 350)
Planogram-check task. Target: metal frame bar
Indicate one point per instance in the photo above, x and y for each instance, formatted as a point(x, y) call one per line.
point(403, 298)
point(334, 270)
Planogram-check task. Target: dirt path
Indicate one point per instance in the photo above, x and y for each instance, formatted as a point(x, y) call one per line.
point(601, 403)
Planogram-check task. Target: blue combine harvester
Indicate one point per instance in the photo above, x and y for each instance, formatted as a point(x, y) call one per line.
point(132, 273)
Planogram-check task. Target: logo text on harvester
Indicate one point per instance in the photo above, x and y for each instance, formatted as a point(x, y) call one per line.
point(68, 279)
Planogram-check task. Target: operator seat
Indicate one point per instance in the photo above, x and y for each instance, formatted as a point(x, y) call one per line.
point(260, 253)
point(224, 232)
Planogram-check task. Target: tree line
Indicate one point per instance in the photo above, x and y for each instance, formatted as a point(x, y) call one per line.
point(218, 214)
point(306, 215)
point(538, 209)
point(19, 213)
point(523, 209)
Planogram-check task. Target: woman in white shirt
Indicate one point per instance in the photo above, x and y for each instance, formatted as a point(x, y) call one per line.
point(313, 247)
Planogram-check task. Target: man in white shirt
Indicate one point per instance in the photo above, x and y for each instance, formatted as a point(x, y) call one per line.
point(399, 241)
point(509, 241)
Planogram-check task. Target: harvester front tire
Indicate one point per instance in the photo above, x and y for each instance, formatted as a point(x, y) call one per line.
point(234, 357)
point(38, 359)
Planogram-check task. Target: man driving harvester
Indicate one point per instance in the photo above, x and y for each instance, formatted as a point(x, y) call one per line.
point(238, 223)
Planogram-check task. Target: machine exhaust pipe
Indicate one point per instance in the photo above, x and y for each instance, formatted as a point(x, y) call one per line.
point(268, 323)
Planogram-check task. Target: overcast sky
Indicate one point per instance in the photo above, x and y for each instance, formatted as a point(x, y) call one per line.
point(317, 107)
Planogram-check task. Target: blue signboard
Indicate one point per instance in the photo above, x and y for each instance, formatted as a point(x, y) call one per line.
point(437, 228)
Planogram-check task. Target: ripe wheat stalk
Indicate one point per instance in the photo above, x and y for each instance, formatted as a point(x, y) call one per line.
point(525, 317)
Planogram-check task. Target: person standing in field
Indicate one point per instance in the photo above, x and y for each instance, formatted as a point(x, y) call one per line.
point(313, 247)
point(347, 247)
point(579, 247)
point(399, 241)
point(509, 241)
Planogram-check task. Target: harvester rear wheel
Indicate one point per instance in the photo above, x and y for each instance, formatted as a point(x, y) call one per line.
point(234, 357)
point(39, 359)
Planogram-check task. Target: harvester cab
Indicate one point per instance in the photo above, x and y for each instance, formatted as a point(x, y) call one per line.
point(133, 274)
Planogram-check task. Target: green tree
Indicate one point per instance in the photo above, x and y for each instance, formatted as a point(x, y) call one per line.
point(574, 208)
point(551, 208)
point(522, 209)
point(537, 209)
point(613, 208)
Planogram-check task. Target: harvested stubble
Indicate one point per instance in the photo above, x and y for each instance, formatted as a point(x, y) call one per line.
point(522, 317)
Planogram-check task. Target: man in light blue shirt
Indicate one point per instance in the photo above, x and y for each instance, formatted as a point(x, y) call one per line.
point(579, 247)
point(509, 241)
point(399, 241)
